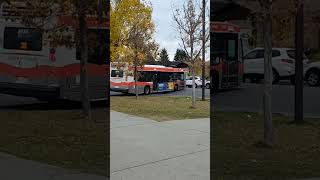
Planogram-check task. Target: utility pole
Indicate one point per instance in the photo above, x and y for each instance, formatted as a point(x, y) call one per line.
point(299, 41)
point(203, 50)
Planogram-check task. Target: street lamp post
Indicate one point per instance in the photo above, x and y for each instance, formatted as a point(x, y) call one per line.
point(203, 49)
point(299, 40)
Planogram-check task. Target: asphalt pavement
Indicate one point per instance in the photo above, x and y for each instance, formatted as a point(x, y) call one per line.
point(10, 103)
point(250, 98)
point(8, 100)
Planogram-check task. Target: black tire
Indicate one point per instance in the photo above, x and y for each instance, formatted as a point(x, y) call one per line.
point(276, 76)
point(196, 86)
point(254, 79)
point(208, 86)
point(293, 80)
point(146, 90)
point(313, 77)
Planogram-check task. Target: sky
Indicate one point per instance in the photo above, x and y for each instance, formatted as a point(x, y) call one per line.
point(166, 34)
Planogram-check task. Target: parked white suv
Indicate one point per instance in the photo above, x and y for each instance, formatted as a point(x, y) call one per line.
point(198, 82)
point(312, 74)
point(283, 64)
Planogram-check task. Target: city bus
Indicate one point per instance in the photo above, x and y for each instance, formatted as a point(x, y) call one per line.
point(151, 79)
point(31, 66)
point(226, 56)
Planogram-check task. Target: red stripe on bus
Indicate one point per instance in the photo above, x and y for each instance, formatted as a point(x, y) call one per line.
point(224, 27)
point(129, 84)
point(65, 71)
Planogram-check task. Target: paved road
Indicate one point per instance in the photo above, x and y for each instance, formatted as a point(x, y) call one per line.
point(143, 149)
point(8, 102)
point(249, 98)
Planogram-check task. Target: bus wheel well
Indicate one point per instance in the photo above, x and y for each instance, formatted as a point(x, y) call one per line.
point(176, 88)
point(146, 90)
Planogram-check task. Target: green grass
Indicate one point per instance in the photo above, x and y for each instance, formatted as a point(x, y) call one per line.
point(60, 138)
point(161, 108)
point(235, 156)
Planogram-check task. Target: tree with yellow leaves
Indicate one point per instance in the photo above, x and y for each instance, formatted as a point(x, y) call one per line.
point(132, 29)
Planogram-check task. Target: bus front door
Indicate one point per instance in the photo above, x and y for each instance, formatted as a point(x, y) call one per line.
point(225, 48)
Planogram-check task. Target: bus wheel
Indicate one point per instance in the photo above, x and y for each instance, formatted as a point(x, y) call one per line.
point(208, 86)
point(146, 90)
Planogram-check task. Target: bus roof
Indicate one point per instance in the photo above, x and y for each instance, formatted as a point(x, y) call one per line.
point(222, 27)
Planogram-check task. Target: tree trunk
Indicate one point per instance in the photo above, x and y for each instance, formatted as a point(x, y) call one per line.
point(193, 87)
point(203, 51)
point(268, 74)
point(135, 81)
point(193, 72)
point(83, 63)
point(299, 40)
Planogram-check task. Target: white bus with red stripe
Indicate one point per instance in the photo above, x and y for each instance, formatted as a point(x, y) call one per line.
point(151, 79)
point(226, 56)
point(31, 66)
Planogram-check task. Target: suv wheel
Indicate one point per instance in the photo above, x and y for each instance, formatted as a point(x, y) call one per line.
point(275, 76)
point(255, 79)
point(293, 79)
point(313, 77)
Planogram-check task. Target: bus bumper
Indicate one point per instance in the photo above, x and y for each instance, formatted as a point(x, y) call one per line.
point(119, 89)
point(29, 90)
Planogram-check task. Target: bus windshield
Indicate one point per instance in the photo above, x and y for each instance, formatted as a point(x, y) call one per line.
point(116, 73)
point(22, 39)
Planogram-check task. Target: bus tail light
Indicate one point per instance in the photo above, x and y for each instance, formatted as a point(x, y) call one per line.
point(52, 55)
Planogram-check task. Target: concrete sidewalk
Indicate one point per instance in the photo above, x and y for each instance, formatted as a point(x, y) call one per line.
point(13, 168)
point(143, 149)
